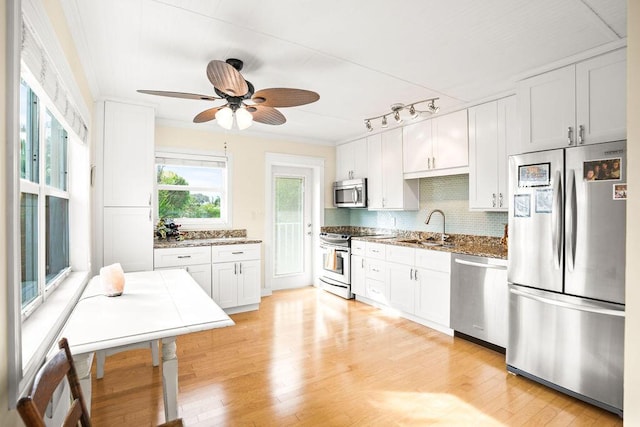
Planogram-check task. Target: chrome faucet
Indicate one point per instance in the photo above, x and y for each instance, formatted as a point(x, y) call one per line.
point(444, 236)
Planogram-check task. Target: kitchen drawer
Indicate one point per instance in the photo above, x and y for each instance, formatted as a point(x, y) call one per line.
point(377, 290)
point(375, 250)
point(433, 260)
point(400, 254)
point(376, 270)
point(178, 257)
point(231, 253)
point(358, 247)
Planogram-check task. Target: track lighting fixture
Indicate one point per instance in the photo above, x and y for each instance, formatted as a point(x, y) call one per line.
point(396, 109)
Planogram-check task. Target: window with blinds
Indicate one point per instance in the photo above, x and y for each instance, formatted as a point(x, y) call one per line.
point(192, 189)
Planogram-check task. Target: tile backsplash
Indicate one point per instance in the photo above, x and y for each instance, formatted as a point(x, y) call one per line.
point(447, 193)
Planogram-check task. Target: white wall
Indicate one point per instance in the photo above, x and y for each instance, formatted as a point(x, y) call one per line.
point(632, 325)
point(248, 167)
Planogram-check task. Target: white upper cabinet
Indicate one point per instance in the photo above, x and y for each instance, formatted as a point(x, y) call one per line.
point(492, 128)
point(451, 141)
point(601, 98)
point(584, 103)
point(351, 160)
point(387, 188)
point(128, 154)
point(439, 146)
point(417, 146)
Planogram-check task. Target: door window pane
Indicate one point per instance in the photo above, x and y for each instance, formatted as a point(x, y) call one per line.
point(56, 153)
point(289, 238)
point(29, 123)
point(29, 247)
point(57, 236)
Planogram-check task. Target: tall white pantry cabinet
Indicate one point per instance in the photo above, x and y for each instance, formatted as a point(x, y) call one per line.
point(123, 185)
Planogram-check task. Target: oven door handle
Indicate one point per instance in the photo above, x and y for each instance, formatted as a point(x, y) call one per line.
point(336, 249)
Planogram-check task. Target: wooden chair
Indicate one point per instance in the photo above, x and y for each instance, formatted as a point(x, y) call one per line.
point(32, 407)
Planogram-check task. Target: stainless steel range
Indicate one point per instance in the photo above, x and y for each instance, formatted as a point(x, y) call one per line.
point(336, 264)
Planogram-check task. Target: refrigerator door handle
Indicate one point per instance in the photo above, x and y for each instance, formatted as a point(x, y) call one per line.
point(597, 310)
point(556, 223)
point(572, 218)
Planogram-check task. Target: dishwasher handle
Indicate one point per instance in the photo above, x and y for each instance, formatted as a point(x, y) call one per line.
point(479, 264)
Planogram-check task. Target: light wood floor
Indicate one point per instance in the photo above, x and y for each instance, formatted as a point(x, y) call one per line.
point(310, 358)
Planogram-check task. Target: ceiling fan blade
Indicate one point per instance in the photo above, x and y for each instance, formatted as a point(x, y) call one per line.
point(184, 95)
point(284, 97)
point(266, 115)
point(226, 78)
point(207, 115)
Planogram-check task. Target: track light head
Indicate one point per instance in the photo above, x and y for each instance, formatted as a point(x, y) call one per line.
point(397, 117)
point(432, 107)
point(384, 122)
point(368, 125)
point(412, 111)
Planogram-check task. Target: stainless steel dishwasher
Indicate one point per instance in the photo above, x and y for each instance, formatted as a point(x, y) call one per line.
point(480, 298)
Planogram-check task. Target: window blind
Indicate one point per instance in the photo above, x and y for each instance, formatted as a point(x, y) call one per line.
point(39, 63)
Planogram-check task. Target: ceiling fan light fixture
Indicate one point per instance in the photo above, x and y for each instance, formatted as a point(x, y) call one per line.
point(384, 122)
point(224, 116)
point(244, 119)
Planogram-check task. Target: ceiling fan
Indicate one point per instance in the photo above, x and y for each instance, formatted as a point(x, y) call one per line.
point(242, 101)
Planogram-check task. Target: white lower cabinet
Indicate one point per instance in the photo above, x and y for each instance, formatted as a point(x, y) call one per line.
point(358, 269)
point(433, 272)
point(236, 276)
point(128, 238)
point(229, 274)
point(196, 260)
point(416, 282)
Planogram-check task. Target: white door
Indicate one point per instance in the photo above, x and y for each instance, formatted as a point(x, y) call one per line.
point(292, 227)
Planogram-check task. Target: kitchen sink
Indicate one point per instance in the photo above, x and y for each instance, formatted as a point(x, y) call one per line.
point(427, 243)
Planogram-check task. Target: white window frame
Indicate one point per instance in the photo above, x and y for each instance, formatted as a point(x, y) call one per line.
point(188, 156)
point(42, 190)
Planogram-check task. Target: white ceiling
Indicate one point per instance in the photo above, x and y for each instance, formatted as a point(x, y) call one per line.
point(361, 56)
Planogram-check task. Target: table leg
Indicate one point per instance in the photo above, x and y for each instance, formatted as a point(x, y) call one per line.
point(82, 362)
point(170, 378)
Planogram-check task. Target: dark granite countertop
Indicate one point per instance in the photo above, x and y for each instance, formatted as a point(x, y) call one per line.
point(190, 243)
point(480, 247)
point(486, 246)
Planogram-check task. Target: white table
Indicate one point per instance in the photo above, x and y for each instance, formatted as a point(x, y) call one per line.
point(155, 305)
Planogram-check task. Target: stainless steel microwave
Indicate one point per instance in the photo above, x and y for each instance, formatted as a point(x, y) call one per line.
point(351, 193)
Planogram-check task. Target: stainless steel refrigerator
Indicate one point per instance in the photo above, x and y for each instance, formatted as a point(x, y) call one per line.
point(566, 270)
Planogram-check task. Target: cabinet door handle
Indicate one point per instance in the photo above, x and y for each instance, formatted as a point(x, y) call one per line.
point(240, 268)
point(411, 274)
point(494, 200)
point(581, 134)
point(362, 262)
point(429, 163)
point(235, 268)
point(184, 256)
point(237, 253)
point(433, 162)
point(570, 135)
point(415, 274)
point(149, 199)
point(149, 214)
point(501, 200)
